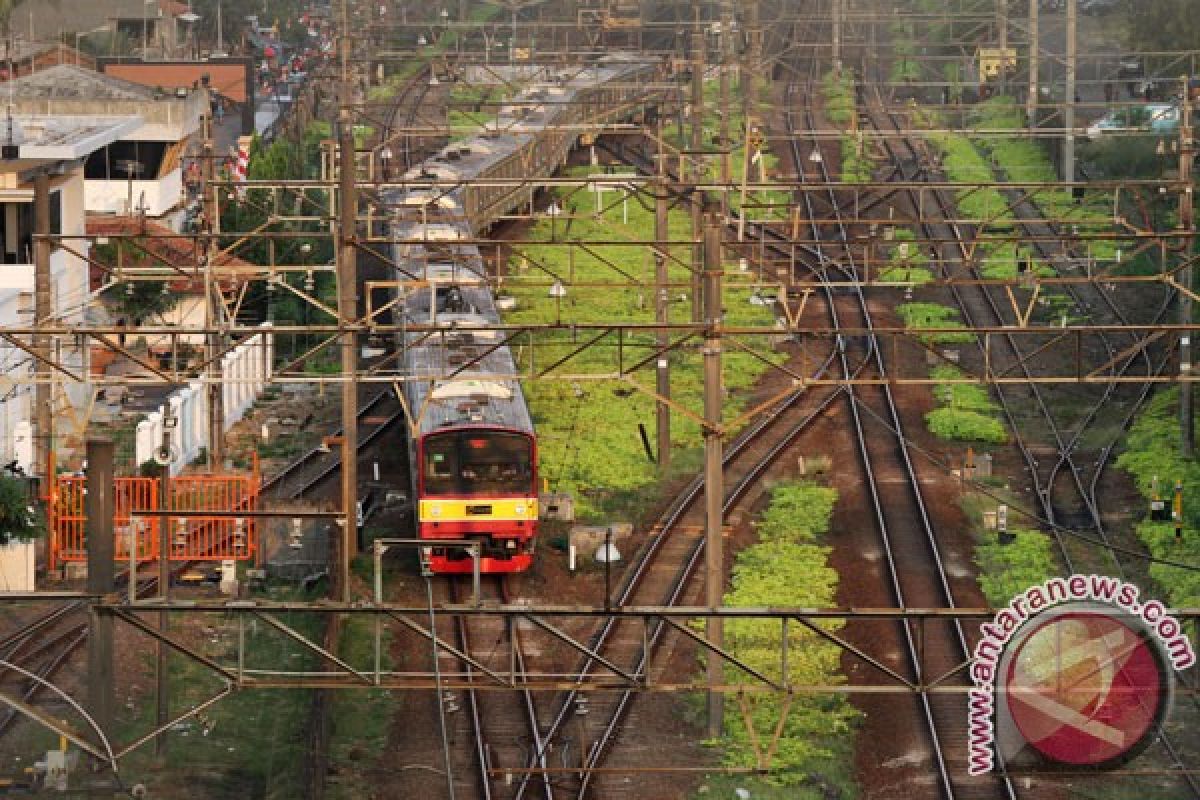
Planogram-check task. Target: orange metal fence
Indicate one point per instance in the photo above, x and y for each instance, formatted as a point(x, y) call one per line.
point(139, 510)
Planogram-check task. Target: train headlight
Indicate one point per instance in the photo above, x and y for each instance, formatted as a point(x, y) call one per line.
point(520, 509)
point(435, 511)
point(510, 544)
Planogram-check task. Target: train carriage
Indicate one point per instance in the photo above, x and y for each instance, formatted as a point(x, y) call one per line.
point(473, 448)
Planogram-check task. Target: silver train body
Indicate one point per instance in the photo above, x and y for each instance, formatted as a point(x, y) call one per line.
point(473, 449)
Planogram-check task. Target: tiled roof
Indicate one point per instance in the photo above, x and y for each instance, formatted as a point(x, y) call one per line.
point(162, 246)
point(67, 81)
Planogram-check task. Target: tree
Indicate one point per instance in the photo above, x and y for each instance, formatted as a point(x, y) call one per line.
point(1162, 24)
point(18, 519)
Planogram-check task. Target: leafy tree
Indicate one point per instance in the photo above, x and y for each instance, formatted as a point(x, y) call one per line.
point(139, 300)
point(18, 519)
point(1162, 24)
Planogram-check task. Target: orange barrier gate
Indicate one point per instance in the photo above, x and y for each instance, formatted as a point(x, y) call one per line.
point(195, 537)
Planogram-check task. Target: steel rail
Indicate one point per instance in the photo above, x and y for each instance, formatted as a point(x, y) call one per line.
point(1066, 449)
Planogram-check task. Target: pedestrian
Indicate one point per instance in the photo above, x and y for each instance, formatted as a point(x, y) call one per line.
point(220, 111)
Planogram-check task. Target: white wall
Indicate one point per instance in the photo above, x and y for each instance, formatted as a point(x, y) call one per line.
point(16, 567)
point(245, 372)
point(112, 197)
point(70, 294)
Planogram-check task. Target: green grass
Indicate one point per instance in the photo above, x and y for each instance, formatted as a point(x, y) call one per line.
point(788, 567)
point(256, 741)
point(1006, 570)
point(1152, 450)
point(934, 315)
point(965, 412)
point(361, 719)
point(838, 91)
point(589, 443)
point(906, 261)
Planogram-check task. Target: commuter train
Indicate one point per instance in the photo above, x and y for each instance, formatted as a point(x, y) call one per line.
point(473, 449)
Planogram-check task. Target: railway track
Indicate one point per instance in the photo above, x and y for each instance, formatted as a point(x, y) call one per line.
point(1097, 552)
point(661, 571)
point(505, 731)
point(46, 644)
point(916, 573)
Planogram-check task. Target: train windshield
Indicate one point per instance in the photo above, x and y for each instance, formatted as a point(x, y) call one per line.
point(478, 463)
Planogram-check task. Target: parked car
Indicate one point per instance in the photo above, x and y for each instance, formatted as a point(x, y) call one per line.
point(1159, 118)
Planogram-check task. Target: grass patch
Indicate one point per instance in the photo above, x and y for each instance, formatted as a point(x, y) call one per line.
point(1152, 451)
point(588, 433)
point(965, 412)
point(906, 261)
point(934, 315)
point(1006, 570)
point(250, 744)
point(789, 567)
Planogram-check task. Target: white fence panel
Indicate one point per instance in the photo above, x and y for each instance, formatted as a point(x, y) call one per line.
point(245, 372)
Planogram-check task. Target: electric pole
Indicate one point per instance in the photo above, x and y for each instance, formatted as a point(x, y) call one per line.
point(1031, 98)
point(43, 312)
point(725, 37)
point(1002, 31)
point(714, 488)
point(1069, 120)
point(213, 310)
point(696, 160)
point(837, 35)
point(1187, 425)
point(662, 309)
point(347, 310)
point(98, 522)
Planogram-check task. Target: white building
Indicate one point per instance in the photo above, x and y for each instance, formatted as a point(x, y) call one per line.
point(60, 146)
point(142, 172)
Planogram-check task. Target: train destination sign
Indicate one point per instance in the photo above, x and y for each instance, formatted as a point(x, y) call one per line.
point(1074, 672)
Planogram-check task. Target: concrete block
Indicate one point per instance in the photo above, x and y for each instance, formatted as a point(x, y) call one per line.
point(586, 539)
point(557, 506)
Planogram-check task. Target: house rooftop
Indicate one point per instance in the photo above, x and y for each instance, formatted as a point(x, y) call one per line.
point(50, 18)
point(63, 137)
point(69, 82)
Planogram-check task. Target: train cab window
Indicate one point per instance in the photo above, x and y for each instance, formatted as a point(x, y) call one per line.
point(478, 463)
point(450, 300)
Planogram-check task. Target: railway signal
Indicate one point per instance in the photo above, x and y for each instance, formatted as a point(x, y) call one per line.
point(1158, 507)
point(1177, 510)
point(1002, 532)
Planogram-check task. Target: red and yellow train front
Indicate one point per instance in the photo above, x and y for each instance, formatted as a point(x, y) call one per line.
point(478, 484)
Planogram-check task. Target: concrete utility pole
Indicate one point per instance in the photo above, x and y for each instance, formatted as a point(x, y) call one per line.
point(1031, 99)
point(162, 651)
point(1002, 31)
point(43, 311)
point(697, 165)
point(662, 312)
point(1069, 119)
point(1187, 424)
point(714, 486)
point(725, 39)
point(214, 310)
point(836, 13)
point(347, 309)
point(753, 67)
point(98, 508)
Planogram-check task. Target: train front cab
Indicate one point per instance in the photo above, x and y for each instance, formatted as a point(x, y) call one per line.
point(478, 484)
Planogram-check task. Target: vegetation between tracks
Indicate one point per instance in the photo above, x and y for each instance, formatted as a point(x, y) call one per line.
point(788, 566)
point(837, 89)
point(1152, 451)
point(965, 412)
point(588, 434)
